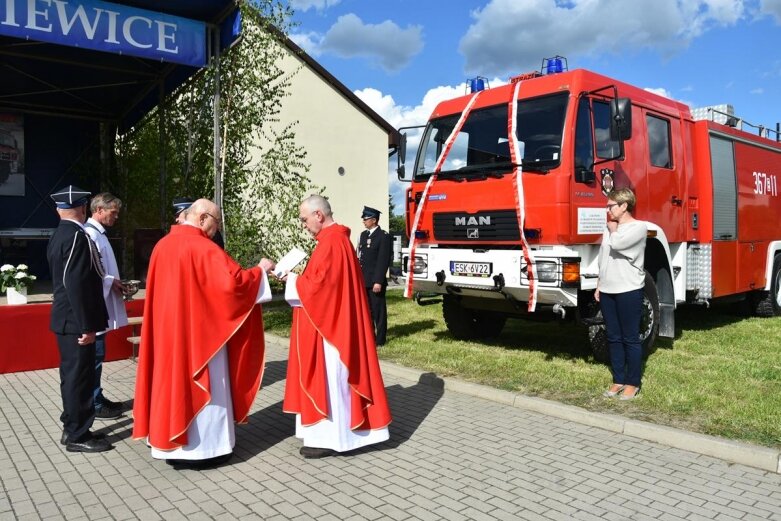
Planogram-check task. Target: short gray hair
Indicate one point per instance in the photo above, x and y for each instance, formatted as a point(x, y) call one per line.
point(105, 200)
point(318, 203)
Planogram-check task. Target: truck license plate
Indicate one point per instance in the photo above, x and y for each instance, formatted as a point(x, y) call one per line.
point(470, 269)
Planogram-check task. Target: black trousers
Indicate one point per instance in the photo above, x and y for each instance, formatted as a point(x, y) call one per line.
point(77, 383)
point(379, 314)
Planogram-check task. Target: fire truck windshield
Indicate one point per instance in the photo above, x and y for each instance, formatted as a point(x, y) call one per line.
point(482, 149)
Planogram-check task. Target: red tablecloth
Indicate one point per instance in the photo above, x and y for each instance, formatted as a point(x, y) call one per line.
point(27, 344)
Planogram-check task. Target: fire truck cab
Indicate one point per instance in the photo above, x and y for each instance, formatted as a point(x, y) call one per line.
point(479, 222)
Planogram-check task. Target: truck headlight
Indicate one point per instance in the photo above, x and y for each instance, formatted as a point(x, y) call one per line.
point(419, 267)
point(547, 271)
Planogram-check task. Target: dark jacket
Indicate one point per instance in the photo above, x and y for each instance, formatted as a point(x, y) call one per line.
point(78, 305)
point(375, 254)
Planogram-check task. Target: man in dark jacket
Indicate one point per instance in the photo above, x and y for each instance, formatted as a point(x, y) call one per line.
point(374, 253)
point(78, 312)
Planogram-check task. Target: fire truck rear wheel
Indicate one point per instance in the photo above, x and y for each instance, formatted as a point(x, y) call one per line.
point(649, 325)
point(467, 324)
point(769, 304)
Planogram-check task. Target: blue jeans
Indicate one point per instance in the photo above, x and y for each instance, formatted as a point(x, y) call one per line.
point(622, 313)
point(100, 355)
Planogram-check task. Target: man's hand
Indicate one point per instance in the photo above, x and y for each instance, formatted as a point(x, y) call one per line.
point(596, 295)
point(116, 285)
point(266, 264)
point(612, 226)
point(87, 338)
point(377, 288)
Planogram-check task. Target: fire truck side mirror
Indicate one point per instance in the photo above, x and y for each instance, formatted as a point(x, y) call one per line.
point(620, 119)
point(401, 157)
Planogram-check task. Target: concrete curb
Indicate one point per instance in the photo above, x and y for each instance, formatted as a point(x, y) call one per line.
point(735, 452)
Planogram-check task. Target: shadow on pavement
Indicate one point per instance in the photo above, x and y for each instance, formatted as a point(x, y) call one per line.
point(275, 371)
point(410, 406)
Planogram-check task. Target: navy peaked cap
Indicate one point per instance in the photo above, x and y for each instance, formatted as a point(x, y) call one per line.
point(70, 196)
point(182, 203)
point(370, 213)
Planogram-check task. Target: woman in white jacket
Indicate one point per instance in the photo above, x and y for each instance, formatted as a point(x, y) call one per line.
point(620, 291)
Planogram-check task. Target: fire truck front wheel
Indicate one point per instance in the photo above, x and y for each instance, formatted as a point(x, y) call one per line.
point(467, 324)
point(769, 304)
point(649, 325)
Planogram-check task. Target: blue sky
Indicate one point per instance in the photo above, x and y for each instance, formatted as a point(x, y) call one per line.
point(402, 56)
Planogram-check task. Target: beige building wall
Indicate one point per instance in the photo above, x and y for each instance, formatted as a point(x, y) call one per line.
point(347, 151)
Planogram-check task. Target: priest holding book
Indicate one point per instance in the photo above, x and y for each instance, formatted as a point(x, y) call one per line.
point(334, 384)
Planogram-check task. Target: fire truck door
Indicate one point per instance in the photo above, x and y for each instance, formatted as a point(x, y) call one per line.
point(664, 174)
point(725, 263)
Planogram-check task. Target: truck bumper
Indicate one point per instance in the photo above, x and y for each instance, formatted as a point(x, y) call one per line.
point(494, 274)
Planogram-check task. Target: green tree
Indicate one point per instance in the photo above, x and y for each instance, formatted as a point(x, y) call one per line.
point(261, 192)
point(396, 223)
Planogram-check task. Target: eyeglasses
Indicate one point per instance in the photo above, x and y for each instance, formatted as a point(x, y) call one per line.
point(215, 219)
point(611, 205)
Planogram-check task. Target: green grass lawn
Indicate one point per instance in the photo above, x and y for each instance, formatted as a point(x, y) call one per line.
point(721, 376)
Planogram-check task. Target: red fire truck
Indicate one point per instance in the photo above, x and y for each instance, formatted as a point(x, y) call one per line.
point(506, 206)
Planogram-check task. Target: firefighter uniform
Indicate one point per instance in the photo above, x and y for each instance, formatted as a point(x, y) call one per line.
point(78, 308)
point(374, 253)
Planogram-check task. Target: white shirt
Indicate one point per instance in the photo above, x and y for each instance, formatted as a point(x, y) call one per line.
point(115, 305)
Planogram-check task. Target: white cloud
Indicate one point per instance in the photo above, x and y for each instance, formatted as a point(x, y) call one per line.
point(309, 42)
point(386, 42)
point(660, 91)
point(508, 36)
point(772, 8)
point(306, 5)
point(758, 90)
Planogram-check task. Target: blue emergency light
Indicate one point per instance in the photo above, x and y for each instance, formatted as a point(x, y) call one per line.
point(477, 84)
point(554, 65)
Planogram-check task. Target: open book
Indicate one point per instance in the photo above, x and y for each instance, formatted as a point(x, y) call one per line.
point(289, 261)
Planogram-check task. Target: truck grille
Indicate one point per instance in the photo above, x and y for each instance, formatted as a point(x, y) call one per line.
point(495, 225)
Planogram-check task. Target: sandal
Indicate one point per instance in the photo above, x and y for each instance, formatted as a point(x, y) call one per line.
point(613, 390)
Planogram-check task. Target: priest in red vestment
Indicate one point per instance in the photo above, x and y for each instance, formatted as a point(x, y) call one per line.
point(201, 357)
point(334, 384)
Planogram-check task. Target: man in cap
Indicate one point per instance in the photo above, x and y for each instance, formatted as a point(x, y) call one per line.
point(374, 252)
point(334, 384)
point(105, 209)
point(78, 312)
point(200, 363)
point(181, 205)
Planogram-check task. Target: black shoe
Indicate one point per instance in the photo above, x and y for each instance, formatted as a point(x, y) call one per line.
point(95, 435)
point(107, 413)
point(199, 464)
point(88, 445)
point(105, 402)
point(315, 452)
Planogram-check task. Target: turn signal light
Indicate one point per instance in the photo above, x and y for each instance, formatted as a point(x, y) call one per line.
point(570, 274)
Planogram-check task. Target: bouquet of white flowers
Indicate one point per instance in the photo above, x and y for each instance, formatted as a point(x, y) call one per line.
point(16, 278)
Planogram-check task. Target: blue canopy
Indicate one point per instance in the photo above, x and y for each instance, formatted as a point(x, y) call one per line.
point(106, 61)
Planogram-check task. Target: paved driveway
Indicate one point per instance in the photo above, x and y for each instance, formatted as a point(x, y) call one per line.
point(451, 456)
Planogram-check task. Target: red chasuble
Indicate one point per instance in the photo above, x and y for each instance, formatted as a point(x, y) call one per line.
point(334, 307)
point(197, 300)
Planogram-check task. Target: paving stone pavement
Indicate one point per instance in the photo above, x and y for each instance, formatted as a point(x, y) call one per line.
point(451, 456)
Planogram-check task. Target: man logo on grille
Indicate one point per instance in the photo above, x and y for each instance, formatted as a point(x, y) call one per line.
point(472, 233)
